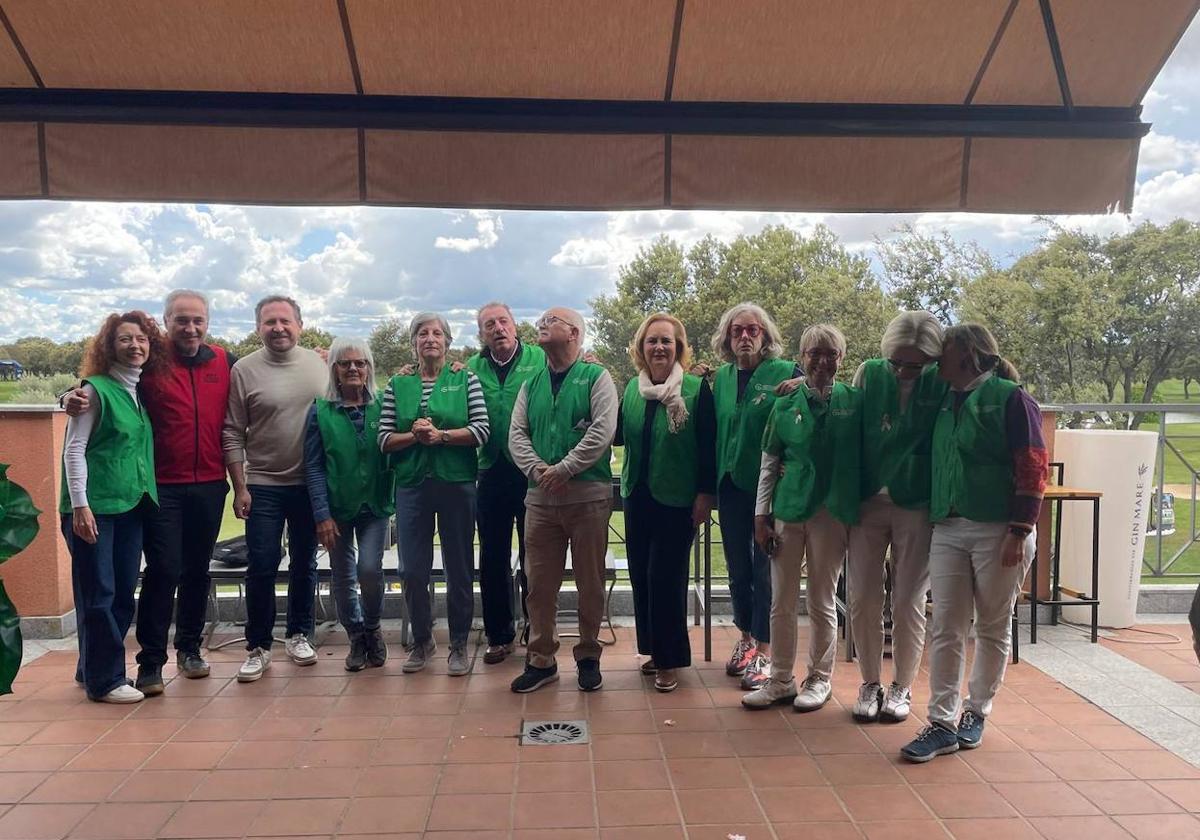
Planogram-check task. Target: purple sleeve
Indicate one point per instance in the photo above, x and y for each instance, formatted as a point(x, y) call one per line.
point(1031, 461)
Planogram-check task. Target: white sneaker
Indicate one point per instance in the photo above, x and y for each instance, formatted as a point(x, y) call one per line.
point(814, 693)
point(897, 704)
point(124, 693)
point(256, 664)
point(866, 707)
point(771, 692)
point(300, 649)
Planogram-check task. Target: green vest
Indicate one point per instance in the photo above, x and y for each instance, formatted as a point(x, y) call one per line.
point(557, 424)
point(819, 445)
point(356, 472)
point(674, 462)
point(898, 445)
point(120, 453)
point(501, 398)
point(448, 409)
point(972, 465)
point(740, 423)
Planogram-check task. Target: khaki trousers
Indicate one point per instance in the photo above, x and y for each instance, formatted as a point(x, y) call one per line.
point(549, 531)
point(817, 547)
point(882, 523)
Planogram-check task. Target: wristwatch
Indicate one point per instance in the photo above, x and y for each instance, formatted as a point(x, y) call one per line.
point(445, 436)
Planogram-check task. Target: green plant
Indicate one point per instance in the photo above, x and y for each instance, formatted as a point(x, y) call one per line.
point(18, 527)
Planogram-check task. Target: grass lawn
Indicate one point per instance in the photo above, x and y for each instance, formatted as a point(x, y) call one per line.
point(1171, 391)
point(8, 390)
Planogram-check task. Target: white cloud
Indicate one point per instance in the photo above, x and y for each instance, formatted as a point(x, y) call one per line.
point(583, 253)
point(1163, 152)
point(487, 233)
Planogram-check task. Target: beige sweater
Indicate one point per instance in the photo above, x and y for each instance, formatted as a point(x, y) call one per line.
point(269, 397)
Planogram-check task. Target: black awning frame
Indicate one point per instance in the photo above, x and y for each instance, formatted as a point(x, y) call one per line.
point(565, 116)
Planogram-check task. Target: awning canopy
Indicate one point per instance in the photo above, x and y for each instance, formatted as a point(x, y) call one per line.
point(854, 105)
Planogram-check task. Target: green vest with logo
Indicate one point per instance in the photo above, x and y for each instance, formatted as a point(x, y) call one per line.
point(818, 444)
point(972, 464)
point(740, 423)
point(674, 459)
point(558, 423)
point(898, 445)
point(356, 472)
point(120, 453)
point(448, 409)
point(501, 397)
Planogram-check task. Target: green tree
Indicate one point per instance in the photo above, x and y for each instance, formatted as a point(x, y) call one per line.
point(314, 338)
point(799, 279)
point(390, 346)
point(931, 271)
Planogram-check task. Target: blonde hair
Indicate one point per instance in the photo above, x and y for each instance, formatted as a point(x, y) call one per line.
point(823, 335)
point(918, 330)
point(683, 350)
point(772, 339)
point(978, 341)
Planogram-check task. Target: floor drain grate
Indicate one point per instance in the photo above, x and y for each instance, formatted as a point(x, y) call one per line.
point(553, 732)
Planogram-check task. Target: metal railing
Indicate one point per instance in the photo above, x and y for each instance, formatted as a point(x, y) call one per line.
point(1155, 560)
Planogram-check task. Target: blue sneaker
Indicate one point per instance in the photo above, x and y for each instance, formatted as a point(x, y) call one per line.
point(970, 730)
point(932, 741)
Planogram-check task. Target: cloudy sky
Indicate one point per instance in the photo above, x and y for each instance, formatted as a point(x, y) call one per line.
point(62, 264)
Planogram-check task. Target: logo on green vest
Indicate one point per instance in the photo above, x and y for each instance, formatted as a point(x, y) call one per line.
point(760, 399)
point(885, 423)
point(450, 389)
point(799, 415)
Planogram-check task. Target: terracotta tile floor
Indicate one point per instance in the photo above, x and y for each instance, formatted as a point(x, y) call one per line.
point(319, 753)
point(1152, 648)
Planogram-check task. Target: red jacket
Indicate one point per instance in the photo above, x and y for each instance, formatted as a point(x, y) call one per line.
point(187, 408)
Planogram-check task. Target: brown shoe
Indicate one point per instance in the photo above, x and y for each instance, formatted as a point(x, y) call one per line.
point(665, 680)
point(495, 654)
point(648, 667)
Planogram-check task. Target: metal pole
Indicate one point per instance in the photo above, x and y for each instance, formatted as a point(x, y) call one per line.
point(1162, 475)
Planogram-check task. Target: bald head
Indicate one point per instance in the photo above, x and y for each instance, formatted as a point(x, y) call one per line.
point(562, 330)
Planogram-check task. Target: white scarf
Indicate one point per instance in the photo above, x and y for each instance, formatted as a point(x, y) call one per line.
point(669, 394)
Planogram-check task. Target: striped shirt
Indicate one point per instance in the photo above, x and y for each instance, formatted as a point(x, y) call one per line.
point(477, 416)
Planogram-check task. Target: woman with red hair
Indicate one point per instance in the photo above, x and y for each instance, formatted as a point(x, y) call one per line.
point(108, 463)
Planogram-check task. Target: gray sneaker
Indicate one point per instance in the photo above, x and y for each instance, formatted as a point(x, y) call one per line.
point(458, 665)
point(418, 656)
point(191, 664)
point(377, 651)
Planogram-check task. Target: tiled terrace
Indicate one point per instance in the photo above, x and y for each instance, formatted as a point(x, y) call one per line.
point(316, 752)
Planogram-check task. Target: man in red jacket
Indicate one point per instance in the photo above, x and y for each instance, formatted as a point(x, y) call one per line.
point(186, 403)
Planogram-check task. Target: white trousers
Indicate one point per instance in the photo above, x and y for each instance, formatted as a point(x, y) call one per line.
point(882, 523)
point(968, 581)
point(817, 547)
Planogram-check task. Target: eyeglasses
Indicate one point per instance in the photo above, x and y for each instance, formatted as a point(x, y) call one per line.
point(750, 331)
point(898, 365)
point(817, 354)
point(346, 364)
point(548, 321)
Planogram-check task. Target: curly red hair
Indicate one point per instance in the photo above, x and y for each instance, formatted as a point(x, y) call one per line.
point(101, 354)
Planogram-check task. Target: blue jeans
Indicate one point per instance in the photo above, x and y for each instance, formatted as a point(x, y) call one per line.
point(104, 576)
point(270, 508)
point(453, 506)
point(359, 570)
point(749, 568)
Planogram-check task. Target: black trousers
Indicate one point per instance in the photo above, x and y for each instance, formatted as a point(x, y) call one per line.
point(659, 541)
point(179, 536)
point(500, 504)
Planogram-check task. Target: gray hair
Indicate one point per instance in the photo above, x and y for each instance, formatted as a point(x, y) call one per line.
point(492, 305)
point(772, 339)
point(823, 335)
point(175, 295)
point(341, 345)
point(421, 319)
point(918, 330)
point(269, 299)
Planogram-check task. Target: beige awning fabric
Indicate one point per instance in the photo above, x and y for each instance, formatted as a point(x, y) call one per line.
point(1028, 106)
